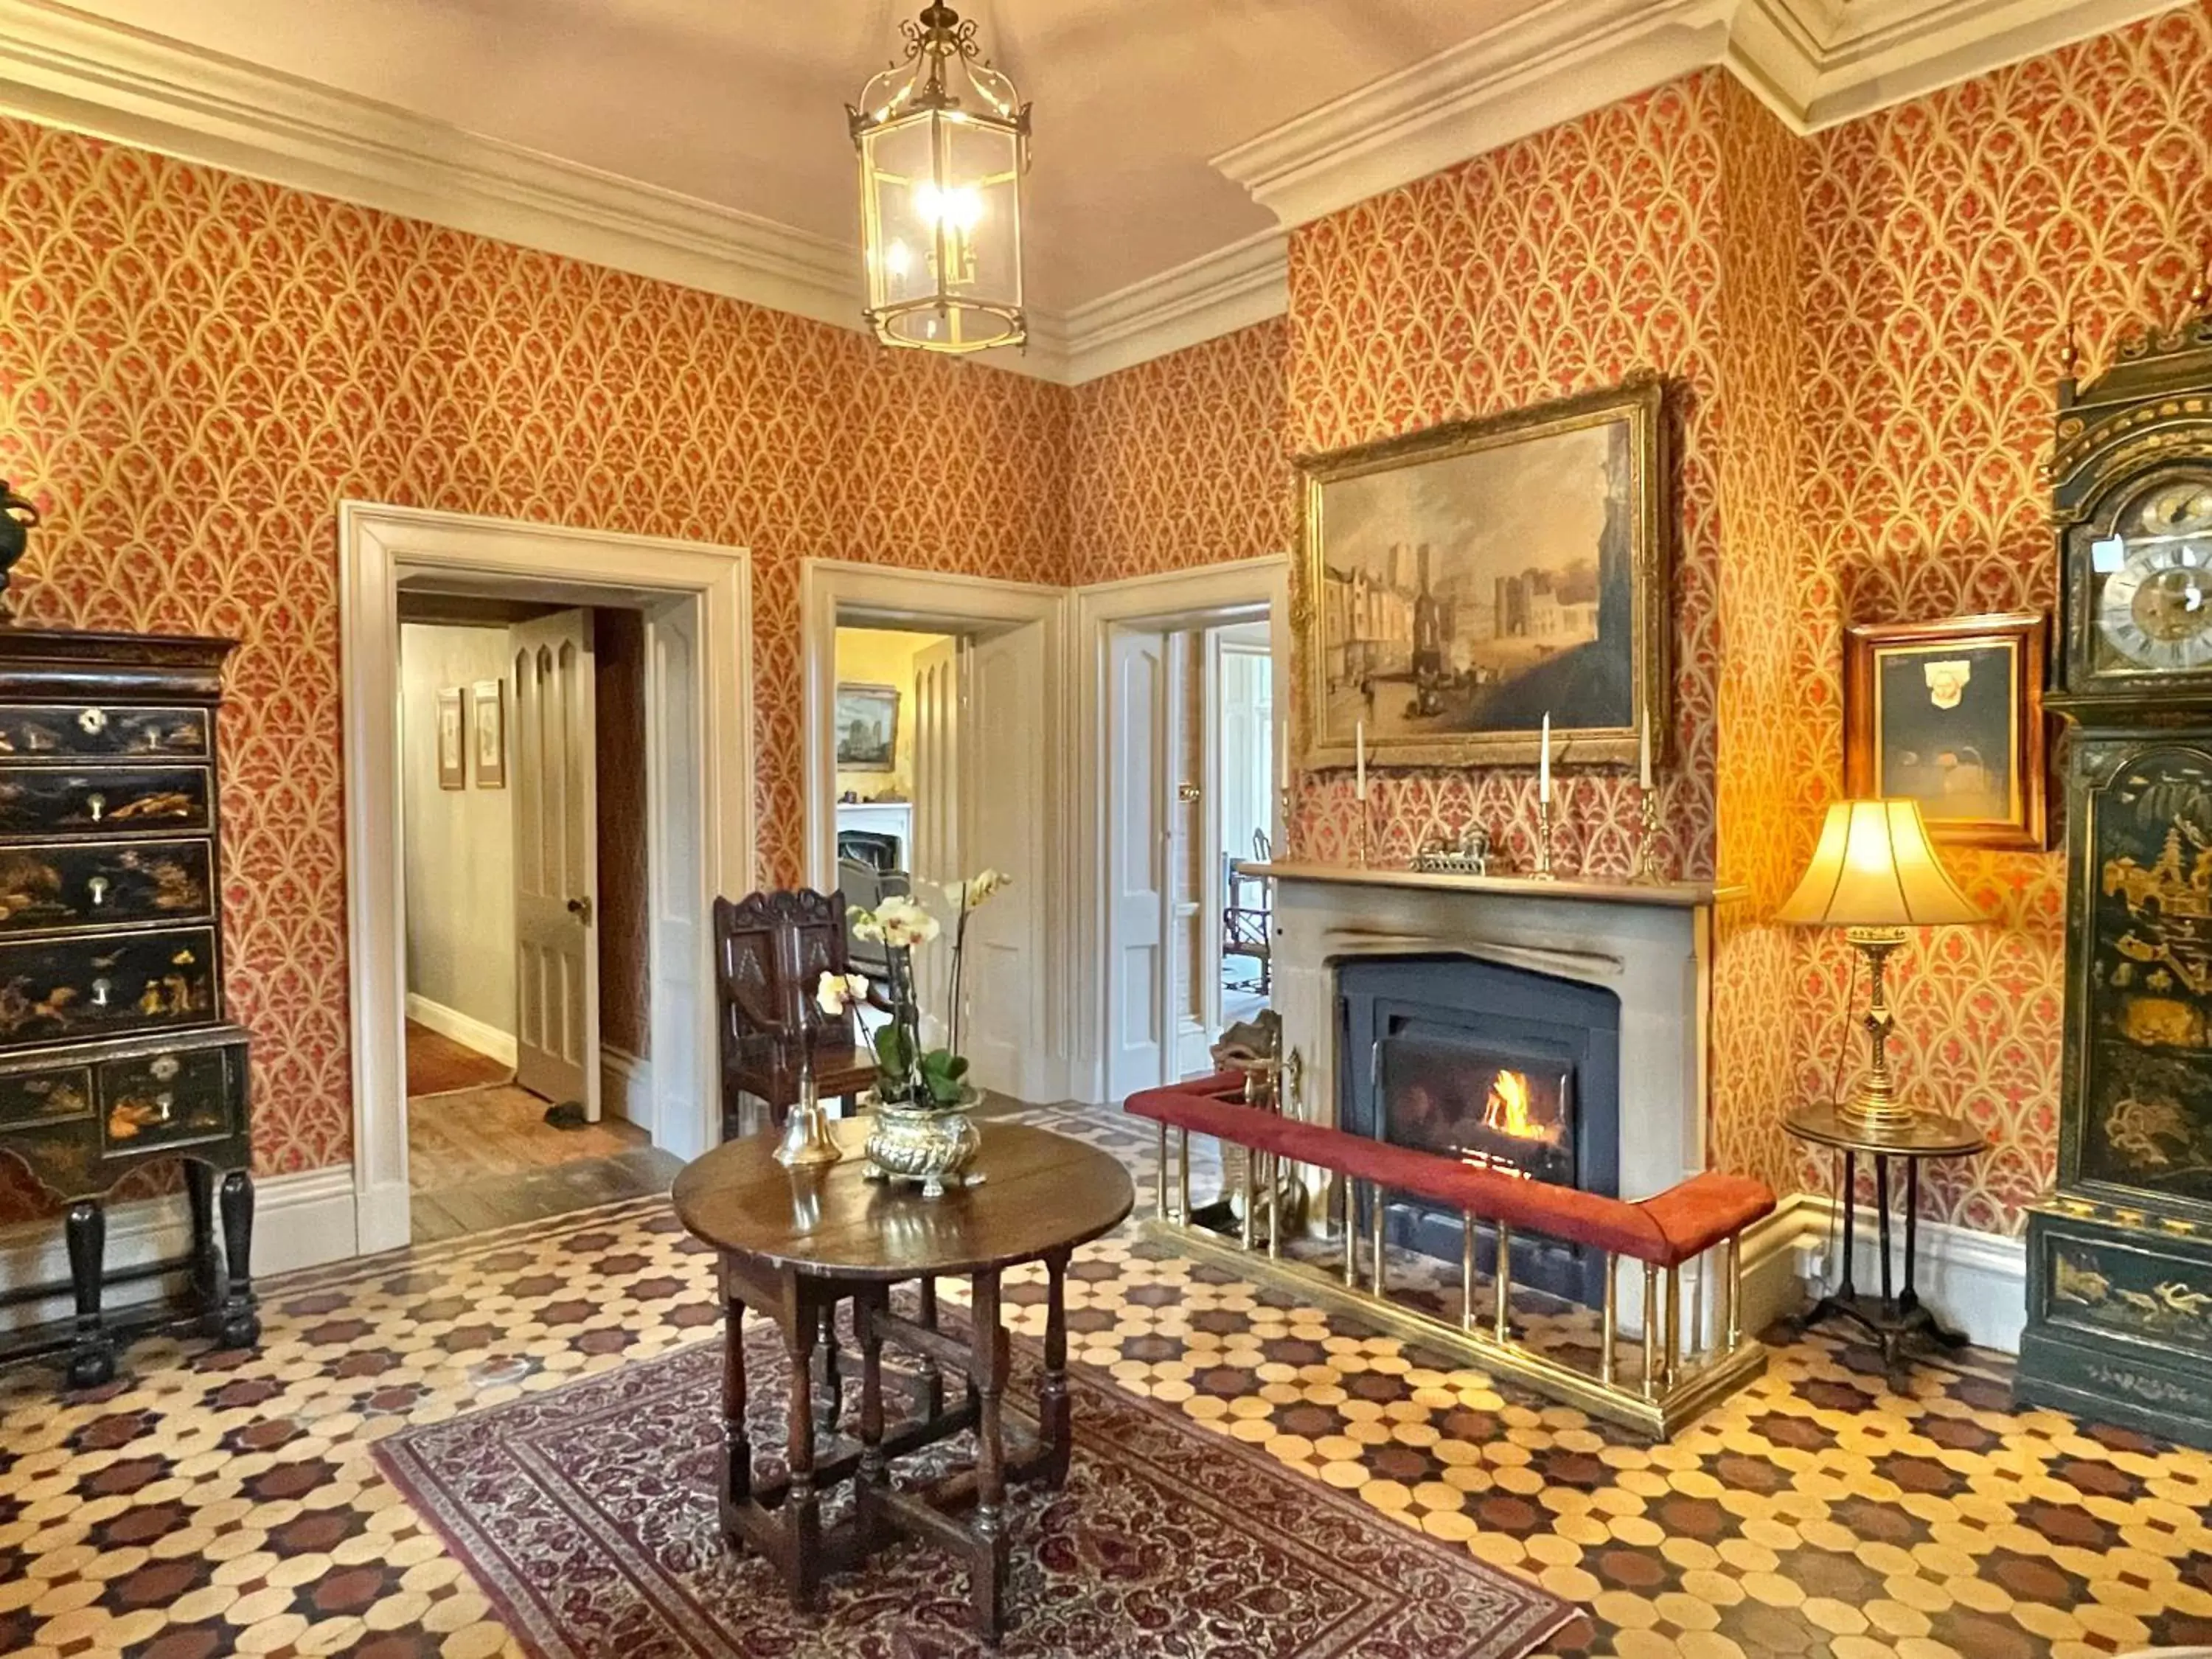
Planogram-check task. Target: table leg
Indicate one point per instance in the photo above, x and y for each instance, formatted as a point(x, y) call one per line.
point(1910, 1299)
point(737, 1444)
point(802, 1504)
point(92, 1357)
point(206, 1250)
point(1847, 1290)
point(1882, 1227)
point(1052, 1416)
point(833, 1374)
point(933, 1380)
point(986, 1373)
point(875, 1471)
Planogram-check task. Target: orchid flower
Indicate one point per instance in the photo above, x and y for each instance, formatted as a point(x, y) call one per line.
point(836, 992)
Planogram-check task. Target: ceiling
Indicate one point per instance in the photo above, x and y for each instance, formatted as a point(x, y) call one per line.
point(741, 103)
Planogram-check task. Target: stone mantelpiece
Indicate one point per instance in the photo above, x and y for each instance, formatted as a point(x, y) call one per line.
point(1650, 946)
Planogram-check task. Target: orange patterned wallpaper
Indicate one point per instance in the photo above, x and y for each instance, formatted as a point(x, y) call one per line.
point(1947, 241)
point(196, 368)
point(1181, 462)
point(1556, 264)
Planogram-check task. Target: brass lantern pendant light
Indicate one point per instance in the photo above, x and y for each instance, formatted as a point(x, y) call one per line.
point(944, 141)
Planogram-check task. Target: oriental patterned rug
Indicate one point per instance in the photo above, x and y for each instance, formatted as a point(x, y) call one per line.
point(587, 1515)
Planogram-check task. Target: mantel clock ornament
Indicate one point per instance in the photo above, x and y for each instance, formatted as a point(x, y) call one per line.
point(2120, 1254)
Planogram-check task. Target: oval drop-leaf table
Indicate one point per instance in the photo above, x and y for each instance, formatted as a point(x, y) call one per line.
point(796, 1243)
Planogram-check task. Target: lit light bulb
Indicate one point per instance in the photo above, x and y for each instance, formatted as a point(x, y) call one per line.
point(897, 259)
point(960, 208)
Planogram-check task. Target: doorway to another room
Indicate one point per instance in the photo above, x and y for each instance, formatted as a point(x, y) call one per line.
point(528, 989)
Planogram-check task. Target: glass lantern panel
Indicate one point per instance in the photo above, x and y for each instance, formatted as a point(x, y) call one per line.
point(983, 165)
point(898, 185)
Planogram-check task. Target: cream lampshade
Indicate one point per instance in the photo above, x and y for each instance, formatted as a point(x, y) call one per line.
point(1874, 874)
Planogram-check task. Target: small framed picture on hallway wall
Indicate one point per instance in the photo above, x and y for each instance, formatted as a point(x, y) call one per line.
point(452, 738)
point(488, 700)
point(1950, 714)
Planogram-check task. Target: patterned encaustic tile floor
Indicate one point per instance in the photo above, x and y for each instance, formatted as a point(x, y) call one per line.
point(208, 1502)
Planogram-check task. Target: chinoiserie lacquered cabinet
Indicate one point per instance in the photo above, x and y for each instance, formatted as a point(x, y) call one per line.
point(115, 1049)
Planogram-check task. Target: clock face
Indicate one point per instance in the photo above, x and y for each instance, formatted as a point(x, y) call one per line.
point(2154, 603)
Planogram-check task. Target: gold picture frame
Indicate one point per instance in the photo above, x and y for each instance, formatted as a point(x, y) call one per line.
point(1539, 604)
point(488, 701)
point(452, 737)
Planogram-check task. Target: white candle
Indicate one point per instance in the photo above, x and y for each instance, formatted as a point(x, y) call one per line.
point(1544, 763)
point(1283, 740)
point(1643, 749)
point(1360, 758)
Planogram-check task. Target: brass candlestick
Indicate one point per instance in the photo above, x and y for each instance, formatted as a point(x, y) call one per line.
point(1648, 872)
point(1544, 870)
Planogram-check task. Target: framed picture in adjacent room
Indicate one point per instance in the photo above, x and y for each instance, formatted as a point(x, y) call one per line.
point(1950, 714)
point(452, 738)
point(488, 701)
point(1459, 585)
point(867, 727)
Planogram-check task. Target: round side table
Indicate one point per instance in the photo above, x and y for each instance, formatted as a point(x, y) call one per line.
point(1895, 1320)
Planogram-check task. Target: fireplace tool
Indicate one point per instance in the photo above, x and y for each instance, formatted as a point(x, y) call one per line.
point(1272, 1082)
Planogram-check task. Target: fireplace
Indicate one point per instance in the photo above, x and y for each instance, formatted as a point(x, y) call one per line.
point(1499, 1066)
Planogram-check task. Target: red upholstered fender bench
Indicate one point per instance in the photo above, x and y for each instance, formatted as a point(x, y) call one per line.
point(1663, 1232)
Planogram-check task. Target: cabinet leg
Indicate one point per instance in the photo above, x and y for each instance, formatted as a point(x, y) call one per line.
point(92, 1357)
point(241, 1324)
point(207, 1249)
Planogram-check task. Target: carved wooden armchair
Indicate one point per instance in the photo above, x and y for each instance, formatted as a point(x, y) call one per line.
point(770, 952)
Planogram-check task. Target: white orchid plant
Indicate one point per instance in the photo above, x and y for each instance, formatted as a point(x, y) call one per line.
point(907, 1073)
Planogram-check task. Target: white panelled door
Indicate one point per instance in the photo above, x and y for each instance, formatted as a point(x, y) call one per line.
point(1138, 848)
point(933, 856)
point(1002, 827)
point(557, 894)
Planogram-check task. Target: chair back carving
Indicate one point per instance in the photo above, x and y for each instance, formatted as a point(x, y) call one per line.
point(771, 949)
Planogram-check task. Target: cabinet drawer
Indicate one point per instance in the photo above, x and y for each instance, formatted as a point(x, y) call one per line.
point(162, 1099)
point(65, 731)
point(102, 884)
point(32, 1098)
point(61, 989)
point(68, 800)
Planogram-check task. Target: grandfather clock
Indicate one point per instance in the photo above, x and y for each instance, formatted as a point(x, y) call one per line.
point(2120, 1254)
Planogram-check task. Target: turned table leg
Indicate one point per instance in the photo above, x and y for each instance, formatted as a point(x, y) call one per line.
point(988, 1374)
point(92, 1357)
point(736, 1444)
point(1052, 1416)
point(869, 1307)
point(803, 1505)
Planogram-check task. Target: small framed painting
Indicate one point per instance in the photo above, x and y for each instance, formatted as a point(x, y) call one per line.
point(1950, 714)
point(452, 738)
point(489, 702)
point(867, 727)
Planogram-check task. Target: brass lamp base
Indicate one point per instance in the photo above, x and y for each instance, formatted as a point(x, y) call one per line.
point(1875, 1108)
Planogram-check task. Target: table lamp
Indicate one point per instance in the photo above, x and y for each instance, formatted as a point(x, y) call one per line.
point(1874, 875)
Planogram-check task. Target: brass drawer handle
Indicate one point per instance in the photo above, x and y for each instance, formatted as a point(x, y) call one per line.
point(98, 888)
point(96, 804)
point(100, 990)
point(165, 1107)
point(93, 721)
point(165, 1068)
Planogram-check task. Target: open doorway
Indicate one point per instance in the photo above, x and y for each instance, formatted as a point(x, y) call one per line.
point(528, 938)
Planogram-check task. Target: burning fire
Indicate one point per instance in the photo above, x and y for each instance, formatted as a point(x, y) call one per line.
point(1507, 1111)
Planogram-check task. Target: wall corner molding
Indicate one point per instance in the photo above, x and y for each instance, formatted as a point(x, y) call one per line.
point(1217, 293)
point(1563, 60)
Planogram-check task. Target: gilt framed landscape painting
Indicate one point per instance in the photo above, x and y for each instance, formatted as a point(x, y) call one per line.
point(1459, 585)
point(867, 727)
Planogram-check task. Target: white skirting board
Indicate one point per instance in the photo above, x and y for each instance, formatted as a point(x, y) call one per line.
point(1974, 1282)
point(625, 1087)
point(469, 1032)
point(298, 1221)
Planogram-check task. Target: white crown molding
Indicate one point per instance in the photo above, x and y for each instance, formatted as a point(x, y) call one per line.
point(1814, 63)
point(1820, 63)
point(1563, 60)
point(1244, 283)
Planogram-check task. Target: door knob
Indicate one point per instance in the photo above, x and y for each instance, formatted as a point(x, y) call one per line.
point(1186, 792)
point(581, 909)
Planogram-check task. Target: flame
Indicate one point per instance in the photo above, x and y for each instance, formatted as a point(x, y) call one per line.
point(1507, 1110)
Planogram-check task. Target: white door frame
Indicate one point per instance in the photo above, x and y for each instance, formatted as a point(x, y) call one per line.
point(938, 600)
point(698, 726)
point(1178, 599)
